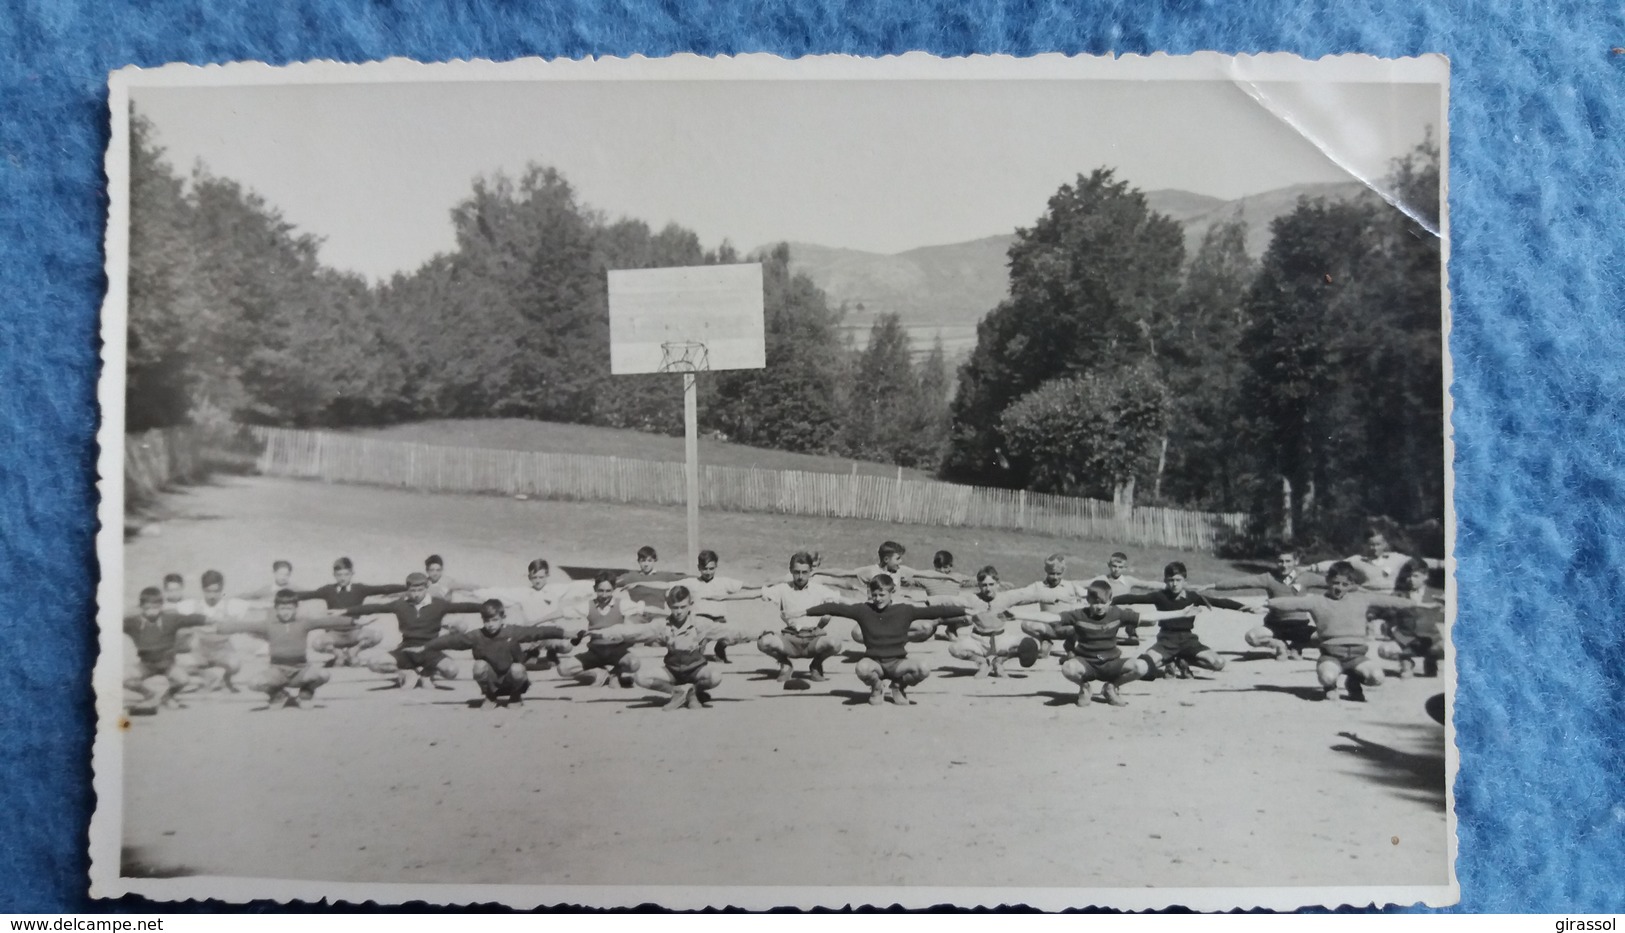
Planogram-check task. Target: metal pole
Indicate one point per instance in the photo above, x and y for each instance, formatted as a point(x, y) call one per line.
point(691, 450)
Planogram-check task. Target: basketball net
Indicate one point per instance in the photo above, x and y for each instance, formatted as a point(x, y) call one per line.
point(683, 356)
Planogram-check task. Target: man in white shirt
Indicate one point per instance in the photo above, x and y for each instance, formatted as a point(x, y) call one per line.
point(212, 651)
point(802, 636)
point(1378, 565)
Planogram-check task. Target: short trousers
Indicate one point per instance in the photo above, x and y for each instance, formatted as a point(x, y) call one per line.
point(799, 646)
point(605, 656)
point(1349, 656)
point(1418, 646)
point(279, 676)
point(1171, 645)
point(1105, 668)
point(1292, 631)
point(686, 676)
point(501, 682)
point(888, 666)
point(161, 667)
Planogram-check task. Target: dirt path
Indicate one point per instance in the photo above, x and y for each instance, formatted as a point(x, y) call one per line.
point(1233, 779)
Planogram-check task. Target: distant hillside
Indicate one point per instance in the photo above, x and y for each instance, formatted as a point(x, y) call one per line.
point(1259, 210)
point(955, 284)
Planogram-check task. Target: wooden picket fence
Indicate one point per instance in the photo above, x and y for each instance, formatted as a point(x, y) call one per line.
point(336, 458)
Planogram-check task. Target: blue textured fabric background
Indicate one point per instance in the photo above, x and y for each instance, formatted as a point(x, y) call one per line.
point(1537, 138)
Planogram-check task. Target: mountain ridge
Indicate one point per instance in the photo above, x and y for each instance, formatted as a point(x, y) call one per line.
point(954, 284)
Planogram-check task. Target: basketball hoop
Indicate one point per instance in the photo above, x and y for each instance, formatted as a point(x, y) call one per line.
point(684, 356)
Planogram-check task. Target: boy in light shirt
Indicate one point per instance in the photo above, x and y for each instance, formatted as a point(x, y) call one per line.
point(803, 636)
point(541, 602)
point(709, 589)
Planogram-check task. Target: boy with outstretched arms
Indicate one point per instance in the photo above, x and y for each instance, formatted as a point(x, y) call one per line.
point(156, 676)
point(346, 646)
point(498, 650)
point(945, 581)
point(281, 579)
point(1053, 593)
point(211, 650)
point(1177, 646)
point(540, 602)
point(1120, 582)
point(985, 643)
point(709, 589)
point(804, 635)
point(889, 562)
point(420, 617)
point(1092, 646)
point(1378, 565)
point(684, 676)
point(1417, 631)
point(646, 584)
point(1340, 616)
point(1284, 634)
point(887, 627)
point(290, 681)
point(434, 567)
point(609, 609)
point(344, 592)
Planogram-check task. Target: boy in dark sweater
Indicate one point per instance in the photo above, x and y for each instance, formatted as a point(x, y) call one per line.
point(499, 653)
point(345, 646)
point(1284, 634)
point(887, 628)
point(155, 678)
point(420, 617)
point(1177, 646)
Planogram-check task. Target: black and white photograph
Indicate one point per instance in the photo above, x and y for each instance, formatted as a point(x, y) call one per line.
point(754, 482)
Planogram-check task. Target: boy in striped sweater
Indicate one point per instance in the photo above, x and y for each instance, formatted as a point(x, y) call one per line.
point(1340, 617)
point(1092, 646)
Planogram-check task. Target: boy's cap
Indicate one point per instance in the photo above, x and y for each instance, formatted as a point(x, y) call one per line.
point(417, 579)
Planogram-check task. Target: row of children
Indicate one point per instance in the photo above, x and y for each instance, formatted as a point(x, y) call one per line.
point(1090, 622)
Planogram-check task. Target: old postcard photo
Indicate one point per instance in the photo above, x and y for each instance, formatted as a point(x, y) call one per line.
point(756, 482)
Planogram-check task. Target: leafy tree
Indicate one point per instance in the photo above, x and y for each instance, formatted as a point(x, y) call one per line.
point(1086, 435)
point(882, 396)
point(924, 440)
point(1345, 381)
point(161, 306)
point(1086, 282)
point(792, 404)
point(1197, 343)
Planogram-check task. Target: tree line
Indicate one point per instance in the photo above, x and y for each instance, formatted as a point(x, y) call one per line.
point(1306, 388)
point(234, 319)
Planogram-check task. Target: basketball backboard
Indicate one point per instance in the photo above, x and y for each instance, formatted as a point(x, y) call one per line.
point(718, 306)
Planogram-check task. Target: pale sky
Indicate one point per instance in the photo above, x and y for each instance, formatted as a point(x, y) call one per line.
point(375, 169)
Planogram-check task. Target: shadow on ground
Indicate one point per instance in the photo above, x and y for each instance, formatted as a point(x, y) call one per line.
point(134, 862)
point(1413, 775)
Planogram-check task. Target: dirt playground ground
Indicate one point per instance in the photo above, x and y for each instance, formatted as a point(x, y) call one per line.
point(1236, 778)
